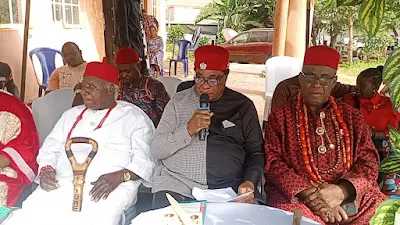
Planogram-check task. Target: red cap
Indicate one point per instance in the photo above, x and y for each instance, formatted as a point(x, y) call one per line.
point(102, 71)
point(322, 56)
point(127, 56)
point(211, 57)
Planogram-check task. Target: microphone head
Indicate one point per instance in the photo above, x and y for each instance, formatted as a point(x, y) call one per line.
point(203, 98)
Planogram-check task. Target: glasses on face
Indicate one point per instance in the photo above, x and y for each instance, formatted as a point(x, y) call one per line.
point(212, 81)
point(89, 88)
point(324, 80)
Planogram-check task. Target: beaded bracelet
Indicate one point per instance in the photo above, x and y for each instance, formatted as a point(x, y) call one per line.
point(45, 168)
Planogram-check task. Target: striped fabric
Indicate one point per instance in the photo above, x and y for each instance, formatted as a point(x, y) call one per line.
point(182, 158)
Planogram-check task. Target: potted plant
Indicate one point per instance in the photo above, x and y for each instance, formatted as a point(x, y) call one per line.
point(388, 212)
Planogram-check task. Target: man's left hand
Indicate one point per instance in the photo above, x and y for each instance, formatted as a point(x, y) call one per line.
point(327, 196)
point(105, 185)
point(244, 188)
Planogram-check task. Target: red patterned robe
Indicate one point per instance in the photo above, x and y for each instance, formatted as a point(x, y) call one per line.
point(19, 142)
point(285, 170)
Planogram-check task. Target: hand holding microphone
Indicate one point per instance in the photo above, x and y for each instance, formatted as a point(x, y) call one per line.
point(201, 119)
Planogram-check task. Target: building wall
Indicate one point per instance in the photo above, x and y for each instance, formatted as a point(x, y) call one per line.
point(45, 33)
point(184, 11)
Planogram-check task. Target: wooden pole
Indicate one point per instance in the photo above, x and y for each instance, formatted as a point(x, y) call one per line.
point(109, 21)
point(280, 26)
point(25, 48)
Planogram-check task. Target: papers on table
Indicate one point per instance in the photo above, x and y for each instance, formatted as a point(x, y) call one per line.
point(218, 195)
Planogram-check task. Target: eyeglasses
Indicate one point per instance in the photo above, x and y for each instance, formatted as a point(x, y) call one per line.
point(324, 80)
point(212, 81)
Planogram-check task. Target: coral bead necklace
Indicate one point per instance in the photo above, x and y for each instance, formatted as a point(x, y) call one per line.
point(342, 147)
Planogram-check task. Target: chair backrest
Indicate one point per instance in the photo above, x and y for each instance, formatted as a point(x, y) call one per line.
point(183, 46)
point(46, 58)
point(170, 84)
point(47, 110)
point(196, 35)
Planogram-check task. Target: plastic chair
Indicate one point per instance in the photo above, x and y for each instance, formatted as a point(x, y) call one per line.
point(170, 84)
point(46, 58)
point(47, 110)
point(182, 57)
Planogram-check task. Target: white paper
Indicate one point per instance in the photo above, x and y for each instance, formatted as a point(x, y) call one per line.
point(218, 195)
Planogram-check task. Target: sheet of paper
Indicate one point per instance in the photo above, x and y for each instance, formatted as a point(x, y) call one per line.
point(218, 195)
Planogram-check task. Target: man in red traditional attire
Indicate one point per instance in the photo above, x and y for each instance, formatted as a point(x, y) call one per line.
point(319, 152)
point(19, 145)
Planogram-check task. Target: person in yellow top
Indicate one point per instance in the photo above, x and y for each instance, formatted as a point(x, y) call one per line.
point(68, 75)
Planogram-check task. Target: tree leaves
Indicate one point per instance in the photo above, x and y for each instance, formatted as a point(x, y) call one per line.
point(371, 15)
point(391, 75)
point(348, 2)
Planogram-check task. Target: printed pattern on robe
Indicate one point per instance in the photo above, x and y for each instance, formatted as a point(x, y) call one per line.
point(152, 101)
point(11, 125)
point(285, 170)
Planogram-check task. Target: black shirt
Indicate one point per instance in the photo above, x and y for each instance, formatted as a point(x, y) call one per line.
point(235, 151)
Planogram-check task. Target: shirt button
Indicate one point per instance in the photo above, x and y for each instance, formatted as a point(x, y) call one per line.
point(91, 123)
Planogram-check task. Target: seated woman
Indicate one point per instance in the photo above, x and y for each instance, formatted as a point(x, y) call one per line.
point(319, 153)
point(19, 146)
point(377, 109)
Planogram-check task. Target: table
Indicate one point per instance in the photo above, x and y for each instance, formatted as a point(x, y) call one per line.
point(235, 214)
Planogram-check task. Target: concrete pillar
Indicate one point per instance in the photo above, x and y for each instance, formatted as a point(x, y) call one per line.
point(296, 29)
point(280, 26)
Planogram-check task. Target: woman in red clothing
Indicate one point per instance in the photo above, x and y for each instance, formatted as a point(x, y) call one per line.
point(377, 109)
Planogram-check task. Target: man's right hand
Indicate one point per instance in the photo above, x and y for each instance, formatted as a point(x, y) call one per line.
point(200, 120)
point(48, 180)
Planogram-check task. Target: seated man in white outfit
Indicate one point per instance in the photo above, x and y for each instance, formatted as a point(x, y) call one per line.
point(123, 133)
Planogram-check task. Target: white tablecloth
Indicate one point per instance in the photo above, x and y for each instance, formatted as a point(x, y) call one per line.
point(232, 214)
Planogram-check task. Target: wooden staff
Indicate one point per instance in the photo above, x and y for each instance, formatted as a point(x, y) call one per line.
point(79, 168)
point(297, 215)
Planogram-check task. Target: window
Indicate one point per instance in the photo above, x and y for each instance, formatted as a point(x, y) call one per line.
point(258, 36)
point(66, 12)
point(154, 7)
point(241, 38)
point(10, 12)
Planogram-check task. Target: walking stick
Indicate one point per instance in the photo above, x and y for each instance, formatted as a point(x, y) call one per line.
point(297, 214)
point(79, 168)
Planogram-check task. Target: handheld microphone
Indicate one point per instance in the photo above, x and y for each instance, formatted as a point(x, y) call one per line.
point(203, 106)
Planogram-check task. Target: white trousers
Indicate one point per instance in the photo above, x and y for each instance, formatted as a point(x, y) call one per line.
point(55, 207)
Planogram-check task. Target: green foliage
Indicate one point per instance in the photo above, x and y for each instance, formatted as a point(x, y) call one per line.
point(385, 213)
point(391, 19)
point(204, 41)
point(377, 45)
point(394, 136)
point(334, 20)
point(175, 32)
point(239, 15)
point(221, 38)
point(371, 15)
point(354, 68)
point(348, 2)
point(388, 212)
point(391, 75)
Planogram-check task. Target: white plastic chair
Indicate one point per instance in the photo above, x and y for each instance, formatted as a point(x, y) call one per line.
point(170, 84)
point(277, 69)
point(48, 109)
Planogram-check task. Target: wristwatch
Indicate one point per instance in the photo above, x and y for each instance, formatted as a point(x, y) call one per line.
point(127, 176)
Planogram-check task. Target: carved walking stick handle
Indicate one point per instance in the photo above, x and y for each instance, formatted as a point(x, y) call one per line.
point(79, 169)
